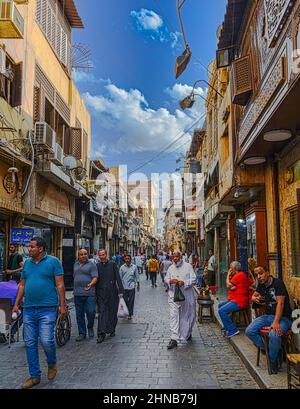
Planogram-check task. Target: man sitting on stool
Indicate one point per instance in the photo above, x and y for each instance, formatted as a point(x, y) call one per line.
point(272, 293)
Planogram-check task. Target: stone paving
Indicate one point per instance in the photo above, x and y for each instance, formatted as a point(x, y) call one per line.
point(137, 358)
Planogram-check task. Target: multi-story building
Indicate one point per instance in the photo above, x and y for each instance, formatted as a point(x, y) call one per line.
point(259, 42)
point(43, 119)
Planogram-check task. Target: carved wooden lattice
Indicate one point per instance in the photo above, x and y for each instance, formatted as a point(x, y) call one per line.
point(76, 142)
point(277, 12)
point(241, 80)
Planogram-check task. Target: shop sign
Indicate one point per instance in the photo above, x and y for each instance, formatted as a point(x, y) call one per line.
point(21, 236)
point(191, 225)
point(57, 219)
point(67, 242)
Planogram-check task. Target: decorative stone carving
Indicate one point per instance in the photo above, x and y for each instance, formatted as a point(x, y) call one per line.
point(9, 185)
point(277, 12)
point(272, 83)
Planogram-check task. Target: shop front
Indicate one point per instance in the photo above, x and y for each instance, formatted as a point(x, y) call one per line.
point(11, 209)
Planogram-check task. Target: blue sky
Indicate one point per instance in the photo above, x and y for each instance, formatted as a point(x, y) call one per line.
point(131, 92)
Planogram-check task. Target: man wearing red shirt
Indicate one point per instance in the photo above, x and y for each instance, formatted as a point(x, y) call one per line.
point(238, 284)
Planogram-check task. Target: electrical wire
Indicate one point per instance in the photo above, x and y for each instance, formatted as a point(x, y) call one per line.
point(32, 165)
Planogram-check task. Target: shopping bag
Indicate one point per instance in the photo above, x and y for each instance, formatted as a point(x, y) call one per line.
point(122, 310)
point(178, 295)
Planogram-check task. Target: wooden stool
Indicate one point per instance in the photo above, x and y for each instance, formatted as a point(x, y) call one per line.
point(293, 371)
point(206, 304)
point(286, 345)
point(241, 318)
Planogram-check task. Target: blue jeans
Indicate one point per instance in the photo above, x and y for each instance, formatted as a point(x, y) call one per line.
point(252, 332)
point(85, 305)
point(39, 322)
point(225, 308)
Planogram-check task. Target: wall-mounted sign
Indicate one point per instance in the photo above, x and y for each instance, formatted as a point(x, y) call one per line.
point(68, 242)
point(21, 236)
point(191, 225)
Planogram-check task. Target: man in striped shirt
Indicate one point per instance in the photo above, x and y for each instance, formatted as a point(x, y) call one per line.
point(130, 279)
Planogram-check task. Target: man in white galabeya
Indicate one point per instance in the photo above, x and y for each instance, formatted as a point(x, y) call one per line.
point(182, 314)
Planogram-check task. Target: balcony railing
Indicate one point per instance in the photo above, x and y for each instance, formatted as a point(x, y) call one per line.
point(11, 21)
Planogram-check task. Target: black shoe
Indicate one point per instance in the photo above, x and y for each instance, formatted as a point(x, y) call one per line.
point(80, 338)
point(112, 334)
point(172, 344)
point(274, 367)
point(100, 338)
point(91, 333)
point(189, 338)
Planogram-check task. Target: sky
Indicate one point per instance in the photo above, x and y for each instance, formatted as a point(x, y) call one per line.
point(131, 91)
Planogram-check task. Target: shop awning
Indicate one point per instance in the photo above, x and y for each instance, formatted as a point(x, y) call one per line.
point(71, 13)
point(235, 12)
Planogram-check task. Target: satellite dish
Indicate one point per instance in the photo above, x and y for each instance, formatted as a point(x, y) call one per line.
point(70, 162)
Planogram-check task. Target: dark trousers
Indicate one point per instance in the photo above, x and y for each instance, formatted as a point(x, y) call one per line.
point(107, 313)
point(153, 277)
point(147, 273)
point(85, 306)
point(129, 296)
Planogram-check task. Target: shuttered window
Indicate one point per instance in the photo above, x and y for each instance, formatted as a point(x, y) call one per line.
point(295, 246)
point(76, 142)
point(55, 29)
point(241, 80)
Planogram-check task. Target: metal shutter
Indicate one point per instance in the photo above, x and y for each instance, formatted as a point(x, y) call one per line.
point(17, 86)
point(38, 11)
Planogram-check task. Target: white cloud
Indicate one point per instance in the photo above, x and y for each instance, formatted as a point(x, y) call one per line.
point(153, 25)
point(99, 151)
point(86, 77)
point(147, 19)
point(138, 126)
point(175, 38)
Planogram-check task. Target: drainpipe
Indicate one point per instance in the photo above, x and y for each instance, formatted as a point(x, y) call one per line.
point(277, 216)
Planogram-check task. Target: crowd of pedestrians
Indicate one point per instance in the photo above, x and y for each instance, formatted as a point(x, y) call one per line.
point(100, 283)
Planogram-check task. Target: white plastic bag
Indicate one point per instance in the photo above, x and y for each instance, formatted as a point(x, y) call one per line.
point(123, 310)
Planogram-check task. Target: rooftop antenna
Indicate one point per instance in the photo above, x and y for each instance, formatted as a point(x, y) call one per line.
point(81, 57)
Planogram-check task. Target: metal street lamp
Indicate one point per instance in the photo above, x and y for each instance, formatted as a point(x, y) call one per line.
point(189, 101)
point(183, 60)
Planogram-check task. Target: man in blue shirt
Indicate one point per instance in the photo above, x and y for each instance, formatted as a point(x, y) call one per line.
point(42, 284)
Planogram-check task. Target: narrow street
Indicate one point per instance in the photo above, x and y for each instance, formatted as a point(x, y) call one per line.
point(137, 358)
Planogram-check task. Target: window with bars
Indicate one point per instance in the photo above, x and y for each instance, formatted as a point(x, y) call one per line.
point(295, 244)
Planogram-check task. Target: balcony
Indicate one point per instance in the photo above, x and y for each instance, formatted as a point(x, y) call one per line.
point(11, 21)
point(57, 176)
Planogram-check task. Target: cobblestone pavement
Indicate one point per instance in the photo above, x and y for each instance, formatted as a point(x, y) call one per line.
point(137, 358)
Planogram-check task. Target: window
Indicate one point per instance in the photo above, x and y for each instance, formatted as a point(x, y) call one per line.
point(55, 29)
point(11, 83)
point(295, 246)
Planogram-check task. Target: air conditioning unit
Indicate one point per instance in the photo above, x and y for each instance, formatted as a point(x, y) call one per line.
point(11, 21)
point(45, 136)
point(58, 156)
